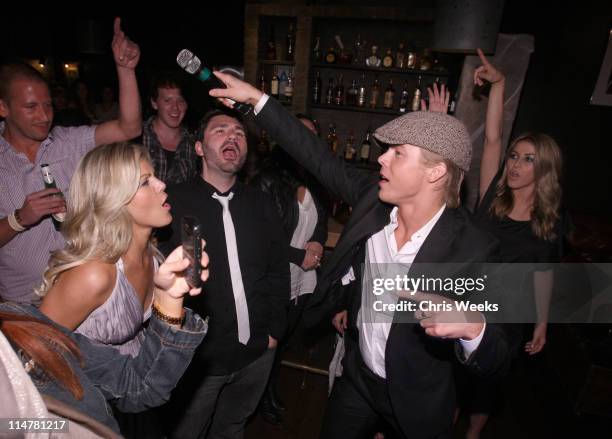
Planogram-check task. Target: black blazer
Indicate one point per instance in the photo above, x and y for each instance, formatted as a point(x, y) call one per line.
point(418, 367)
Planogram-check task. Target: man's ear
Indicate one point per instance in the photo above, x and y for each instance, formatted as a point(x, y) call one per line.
point(153, 104)
point(4, 110)
point(437, 172)
point(199, 148)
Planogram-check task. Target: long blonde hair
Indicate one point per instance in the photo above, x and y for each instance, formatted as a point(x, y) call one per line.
point(98, 225)
point(547, 198)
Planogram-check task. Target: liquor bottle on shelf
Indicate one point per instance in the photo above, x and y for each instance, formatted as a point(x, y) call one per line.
point(404, 98)
point(361, 93)
point(452, 104)
point(316, 50)
point(339, 92)
point(364, 153)
point(345, 56)
point(271, 45)
point(274, 85)
point(262, 83)
point(374, 94)
point(282, 83)
point(389, 97)
point(58, 218)
point(400, 57)
point(388, 60)
point(316, 89)
point(332, 138)
point(289, 88)
point(416, 98)
point(290, 50)
point(352, 93)
point(349, 148)
point(329, 95)
point(426, 62)
point(330, 56)
point(411, 60)
point(373, 60)
point(359, 44)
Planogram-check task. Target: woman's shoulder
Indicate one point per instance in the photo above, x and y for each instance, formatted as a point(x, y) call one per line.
point(93, 279)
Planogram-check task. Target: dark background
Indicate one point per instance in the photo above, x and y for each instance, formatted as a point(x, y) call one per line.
point(570, 41)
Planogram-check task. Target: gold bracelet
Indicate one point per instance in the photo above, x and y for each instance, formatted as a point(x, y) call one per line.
point(166, 318)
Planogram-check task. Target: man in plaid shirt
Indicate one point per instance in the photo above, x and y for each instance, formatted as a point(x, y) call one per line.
point(169, 143)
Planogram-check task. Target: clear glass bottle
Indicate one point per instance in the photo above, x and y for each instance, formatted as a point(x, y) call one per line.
point(416, 98)
point(373, 60)
point(339, 92)
point(329, 94)
point(361, 93)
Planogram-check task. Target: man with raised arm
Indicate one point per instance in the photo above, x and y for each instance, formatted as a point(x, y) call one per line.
point(27, 233)
point(399, 371)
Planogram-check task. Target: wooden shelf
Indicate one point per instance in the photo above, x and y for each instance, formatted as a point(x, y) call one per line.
point(353, 67)
point(358, 109)
point(277, 62)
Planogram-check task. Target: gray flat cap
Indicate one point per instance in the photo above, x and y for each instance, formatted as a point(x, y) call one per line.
point(435, 132)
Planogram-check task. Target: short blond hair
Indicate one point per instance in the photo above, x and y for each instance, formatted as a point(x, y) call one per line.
point(453, 180)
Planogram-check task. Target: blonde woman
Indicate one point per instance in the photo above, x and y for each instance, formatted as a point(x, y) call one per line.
point(101, 284)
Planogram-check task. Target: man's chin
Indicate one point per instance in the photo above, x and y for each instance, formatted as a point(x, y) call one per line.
point(384, 196)
point(231, 167)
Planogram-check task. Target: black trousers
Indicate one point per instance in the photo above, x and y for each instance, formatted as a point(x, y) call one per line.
point(359, 401)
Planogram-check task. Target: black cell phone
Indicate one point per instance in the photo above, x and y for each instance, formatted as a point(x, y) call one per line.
point(191, 238)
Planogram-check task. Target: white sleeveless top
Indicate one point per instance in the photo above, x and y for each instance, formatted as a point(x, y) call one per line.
point(303, 282)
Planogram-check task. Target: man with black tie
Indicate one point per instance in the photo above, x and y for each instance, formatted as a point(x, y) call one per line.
point(400, 372)
point(247, 293)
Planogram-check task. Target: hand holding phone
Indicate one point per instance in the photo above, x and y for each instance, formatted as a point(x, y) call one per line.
point(191, 237)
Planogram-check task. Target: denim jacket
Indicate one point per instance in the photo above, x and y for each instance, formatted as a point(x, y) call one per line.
point(108, 377)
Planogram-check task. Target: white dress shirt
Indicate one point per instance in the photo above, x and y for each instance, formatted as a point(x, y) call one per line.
point(385, 261)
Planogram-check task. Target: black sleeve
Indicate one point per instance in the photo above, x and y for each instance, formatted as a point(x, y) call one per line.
point(296, 255)
point(320, 232)
point(312, 153)
point(493, 356)
point(279, 291)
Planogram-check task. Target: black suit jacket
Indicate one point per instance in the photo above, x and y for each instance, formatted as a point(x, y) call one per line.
point(418, 367)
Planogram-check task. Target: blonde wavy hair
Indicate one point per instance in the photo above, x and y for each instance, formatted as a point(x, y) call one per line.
point(98, 226)
point(547, 173)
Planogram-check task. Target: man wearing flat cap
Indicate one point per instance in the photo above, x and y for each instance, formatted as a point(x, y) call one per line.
point(394, 370)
